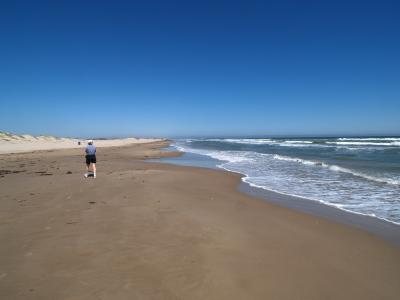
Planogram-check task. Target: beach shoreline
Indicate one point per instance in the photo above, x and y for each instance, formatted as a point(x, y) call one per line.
point(381, 228)
point(153, 230)
point(360, 176)
point(378, 227)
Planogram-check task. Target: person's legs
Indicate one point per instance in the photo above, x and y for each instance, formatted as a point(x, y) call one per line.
point(87, 170)
point(87, 166)
point(91, 164)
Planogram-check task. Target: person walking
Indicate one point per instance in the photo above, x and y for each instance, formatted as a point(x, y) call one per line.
point(90, 158)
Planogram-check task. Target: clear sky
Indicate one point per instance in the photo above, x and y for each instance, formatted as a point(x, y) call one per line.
point(190, 68)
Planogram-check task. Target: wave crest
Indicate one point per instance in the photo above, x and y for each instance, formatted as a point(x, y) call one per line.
point(337, 169)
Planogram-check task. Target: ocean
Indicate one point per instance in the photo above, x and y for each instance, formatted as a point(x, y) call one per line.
point(357, 174)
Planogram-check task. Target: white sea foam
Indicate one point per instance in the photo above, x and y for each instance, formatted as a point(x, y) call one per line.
point(337, 169)
point(279, 142)
point(356, 143)
point(293, 159)
point(247, 156)
point(249, 141)
point(298, 142)
point(310, 144)
point(229, 156)
point(340, 142)
point(343, 207)
point(226, 156)
point(371, 139)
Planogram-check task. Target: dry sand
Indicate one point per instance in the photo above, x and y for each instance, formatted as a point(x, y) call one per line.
point(13, 143)
point(155, 231)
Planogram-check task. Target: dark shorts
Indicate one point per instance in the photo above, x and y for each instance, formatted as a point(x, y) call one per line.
point(90, 159)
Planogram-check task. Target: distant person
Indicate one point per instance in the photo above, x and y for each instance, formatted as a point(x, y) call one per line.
point(90, 158)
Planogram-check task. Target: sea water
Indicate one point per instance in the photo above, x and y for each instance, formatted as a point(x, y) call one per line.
point(356, 174)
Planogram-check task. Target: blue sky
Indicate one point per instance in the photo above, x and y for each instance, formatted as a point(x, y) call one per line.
point(193, 68)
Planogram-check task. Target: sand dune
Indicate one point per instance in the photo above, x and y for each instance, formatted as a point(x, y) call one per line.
point(13, 143)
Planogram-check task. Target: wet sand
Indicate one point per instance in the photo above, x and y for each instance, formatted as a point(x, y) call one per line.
point(156, 231)
point(381, 228)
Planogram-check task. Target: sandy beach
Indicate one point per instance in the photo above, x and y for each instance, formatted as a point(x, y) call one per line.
point(145, 230)
point(13, 143)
